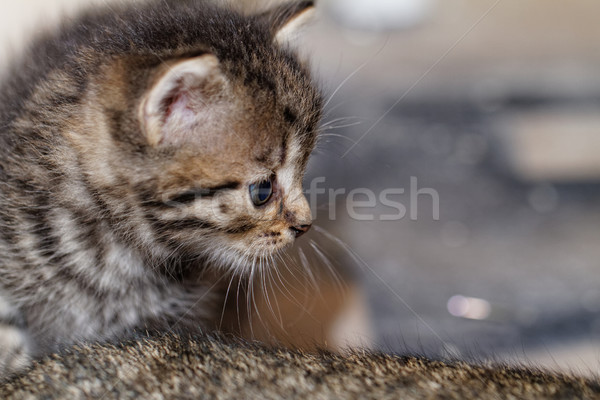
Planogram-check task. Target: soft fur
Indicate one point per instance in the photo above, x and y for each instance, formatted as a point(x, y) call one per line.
point(215, 368)
point(128, 142)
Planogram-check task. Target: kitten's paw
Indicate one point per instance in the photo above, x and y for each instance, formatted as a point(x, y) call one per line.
point(14, 350)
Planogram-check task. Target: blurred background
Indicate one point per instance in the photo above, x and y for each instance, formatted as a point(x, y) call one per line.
point(491, 105)
point(494, 105)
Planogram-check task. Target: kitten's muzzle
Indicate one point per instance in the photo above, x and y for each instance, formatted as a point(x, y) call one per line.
point(300, 229)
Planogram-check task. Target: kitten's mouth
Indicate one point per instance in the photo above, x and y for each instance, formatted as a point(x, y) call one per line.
point(267, 247)
point(263, 246)
point(271, 239)
point(273, 247)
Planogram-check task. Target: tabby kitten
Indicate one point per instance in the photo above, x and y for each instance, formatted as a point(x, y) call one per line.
point(142, 150)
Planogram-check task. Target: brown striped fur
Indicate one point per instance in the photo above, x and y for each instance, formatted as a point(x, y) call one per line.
point(217, 368)
point(114, 210)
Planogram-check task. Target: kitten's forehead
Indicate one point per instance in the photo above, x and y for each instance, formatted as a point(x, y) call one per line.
point(269, 132)
point(269, 152)
point(279, 101)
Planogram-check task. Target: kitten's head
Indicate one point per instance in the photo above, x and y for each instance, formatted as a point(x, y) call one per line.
point(226, 135)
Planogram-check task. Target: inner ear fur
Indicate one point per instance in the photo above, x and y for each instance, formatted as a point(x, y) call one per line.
point(180, 97)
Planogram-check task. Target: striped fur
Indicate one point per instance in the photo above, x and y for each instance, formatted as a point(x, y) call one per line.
point(104, 232)
point(213, 367)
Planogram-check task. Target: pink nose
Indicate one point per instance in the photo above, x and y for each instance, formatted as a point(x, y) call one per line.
point(300, 229)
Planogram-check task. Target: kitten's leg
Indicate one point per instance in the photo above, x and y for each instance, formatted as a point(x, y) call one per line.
point(15, 346)
point(14, 353)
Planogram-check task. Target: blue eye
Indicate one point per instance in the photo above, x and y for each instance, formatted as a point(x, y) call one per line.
point(261, 192)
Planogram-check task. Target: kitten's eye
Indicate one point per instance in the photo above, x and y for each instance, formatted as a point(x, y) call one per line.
point(261, 192)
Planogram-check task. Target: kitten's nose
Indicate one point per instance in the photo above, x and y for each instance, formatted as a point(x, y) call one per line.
point(300, 229)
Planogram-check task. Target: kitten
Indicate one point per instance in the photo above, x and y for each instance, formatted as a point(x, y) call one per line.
point(144, 150)
point(211, 367)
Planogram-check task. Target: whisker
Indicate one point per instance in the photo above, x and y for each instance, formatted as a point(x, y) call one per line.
point(291, 296)
point(337, 135)
point(311, 276)
point(357, 70)
point(286, 285)
point(249, 303)
point(225, 301)
point(263, 291)
point(329, 123)
point(237, 304)
point(342, 287)
point(342, 126)
point(277, 315)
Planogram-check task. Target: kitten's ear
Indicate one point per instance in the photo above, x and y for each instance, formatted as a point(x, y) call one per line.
point(287, 20)
point(184, 95)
